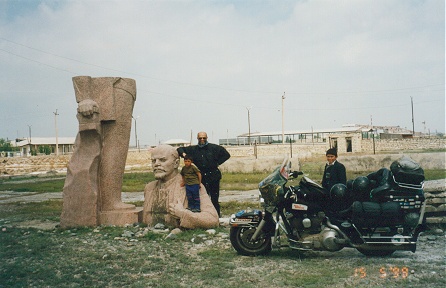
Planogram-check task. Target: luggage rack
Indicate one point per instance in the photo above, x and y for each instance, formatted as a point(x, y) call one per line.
point(407, 202)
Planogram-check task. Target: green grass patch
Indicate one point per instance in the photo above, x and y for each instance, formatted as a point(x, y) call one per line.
point(33, 185)
point(132, 182)
point(136, 181)
point(241, 181)
point(43, 211)
point(232, 207)
point(435, 174)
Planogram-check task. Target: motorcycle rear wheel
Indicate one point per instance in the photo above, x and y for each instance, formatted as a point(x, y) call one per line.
point(241, 241)
point(375, 253)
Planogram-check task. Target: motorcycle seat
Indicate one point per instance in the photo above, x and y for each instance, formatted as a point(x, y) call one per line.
point(315, 187)
point(312, 191)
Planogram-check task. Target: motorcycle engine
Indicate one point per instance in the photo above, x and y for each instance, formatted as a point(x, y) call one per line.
point(312, 234)
point(306, 224)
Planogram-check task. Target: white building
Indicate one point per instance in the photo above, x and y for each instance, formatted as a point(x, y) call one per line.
point(38, 144)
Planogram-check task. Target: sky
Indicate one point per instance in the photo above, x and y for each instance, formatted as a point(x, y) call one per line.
point(208, 65)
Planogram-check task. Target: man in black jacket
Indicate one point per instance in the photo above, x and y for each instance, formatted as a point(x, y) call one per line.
point(207, 157)
point(334, 172)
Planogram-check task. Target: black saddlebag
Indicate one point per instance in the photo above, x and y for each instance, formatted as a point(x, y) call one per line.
point(371, 214)
point(407, 171)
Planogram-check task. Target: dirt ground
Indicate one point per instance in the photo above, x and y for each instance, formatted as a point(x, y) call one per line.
point(225, 196)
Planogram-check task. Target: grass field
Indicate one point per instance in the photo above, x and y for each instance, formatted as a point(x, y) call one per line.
point(136, 256)
point(135, 182)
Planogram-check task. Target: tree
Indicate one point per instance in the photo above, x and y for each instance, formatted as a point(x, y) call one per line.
point(45, 149)
point(6, 145)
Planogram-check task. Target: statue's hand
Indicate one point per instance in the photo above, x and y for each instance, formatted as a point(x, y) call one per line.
point(176, 209)
point(87, 107)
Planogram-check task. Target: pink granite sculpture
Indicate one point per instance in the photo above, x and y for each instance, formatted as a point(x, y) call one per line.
point(92, 190)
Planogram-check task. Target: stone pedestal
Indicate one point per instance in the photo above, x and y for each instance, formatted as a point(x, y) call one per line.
point(120, 217)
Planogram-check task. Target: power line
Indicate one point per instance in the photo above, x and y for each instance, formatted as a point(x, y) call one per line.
point(32, 60)
point(200, 85)
point(128, 73)
point(403, 90)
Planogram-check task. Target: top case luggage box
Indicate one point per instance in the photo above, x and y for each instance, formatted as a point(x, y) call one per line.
point(407, 171)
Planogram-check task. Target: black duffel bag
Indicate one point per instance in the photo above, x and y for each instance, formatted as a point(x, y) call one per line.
point(372, 214)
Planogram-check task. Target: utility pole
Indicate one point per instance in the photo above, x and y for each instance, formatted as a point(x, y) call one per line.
point(17, 140)
point(29, 129)
point(136, 134)
point(312, 136)
point(413, 122)
point(373, 139)
point(57, 137)
point(249, 126)
point(283, 127)
point(29, 141)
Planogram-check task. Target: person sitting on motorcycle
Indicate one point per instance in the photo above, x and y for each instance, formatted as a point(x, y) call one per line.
point(334, 171)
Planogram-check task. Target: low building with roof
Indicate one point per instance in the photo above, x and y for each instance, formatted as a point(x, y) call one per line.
point(346, 138)
point(39, 144)
point(177, 142)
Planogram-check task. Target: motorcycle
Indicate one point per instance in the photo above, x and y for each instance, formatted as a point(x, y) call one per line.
point(376, 214)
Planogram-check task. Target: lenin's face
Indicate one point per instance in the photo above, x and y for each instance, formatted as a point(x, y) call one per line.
point(164, 164)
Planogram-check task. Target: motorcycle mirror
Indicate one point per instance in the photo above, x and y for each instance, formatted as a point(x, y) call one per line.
point(296, 173)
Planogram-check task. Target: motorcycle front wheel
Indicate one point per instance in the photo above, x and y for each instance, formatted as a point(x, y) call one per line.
point(241, 241)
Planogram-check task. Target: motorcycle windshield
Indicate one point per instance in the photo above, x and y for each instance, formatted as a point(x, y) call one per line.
point(273, 183)
point(279, 175)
